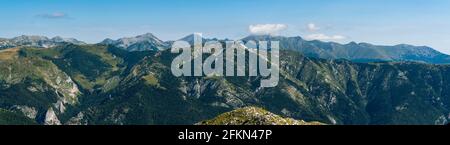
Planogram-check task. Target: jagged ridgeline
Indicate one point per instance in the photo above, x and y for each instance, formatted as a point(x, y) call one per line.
point(104, 84)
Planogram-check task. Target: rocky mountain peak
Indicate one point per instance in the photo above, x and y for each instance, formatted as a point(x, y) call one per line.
point(138, 43)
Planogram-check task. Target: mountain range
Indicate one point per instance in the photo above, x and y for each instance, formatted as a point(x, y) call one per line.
point(356, 52)
point(36, 41)
point(107, 83)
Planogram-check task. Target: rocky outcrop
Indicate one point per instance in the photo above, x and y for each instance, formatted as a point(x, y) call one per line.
point(77, 120)
point(29, 112)
point(253, 116)
point(51, 118)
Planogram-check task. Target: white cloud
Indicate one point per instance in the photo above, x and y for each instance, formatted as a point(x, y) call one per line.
point(57, 15)
point(264, 29)
point(312, 27)
point(324, 37)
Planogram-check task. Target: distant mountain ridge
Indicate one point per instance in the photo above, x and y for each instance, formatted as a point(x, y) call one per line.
point(37, 41)
point(138, 43)
point(358, 52)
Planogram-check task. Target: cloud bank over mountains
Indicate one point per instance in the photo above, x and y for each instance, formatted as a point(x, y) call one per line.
point(314, 32)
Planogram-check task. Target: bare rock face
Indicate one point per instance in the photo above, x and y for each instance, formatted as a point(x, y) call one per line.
point(29, 112)
point(51, 118)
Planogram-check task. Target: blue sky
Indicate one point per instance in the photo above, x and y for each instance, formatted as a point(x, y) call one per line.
point(386, 22)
